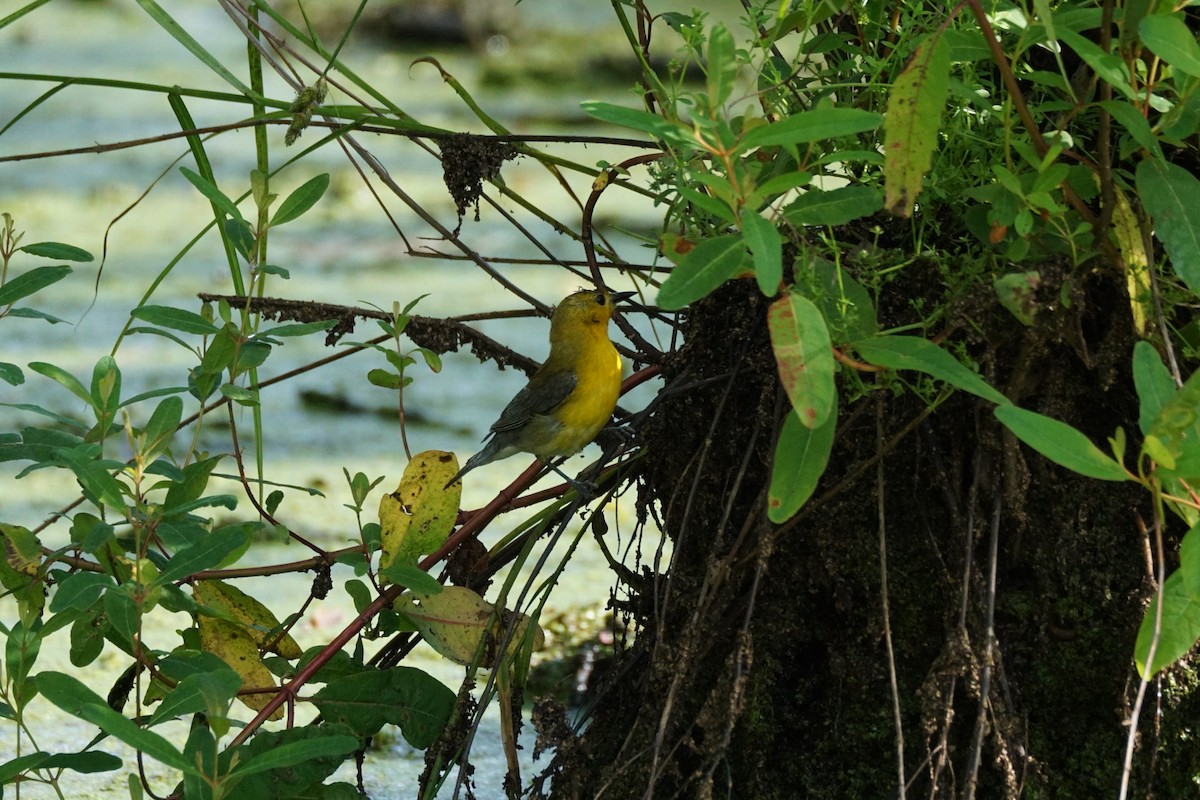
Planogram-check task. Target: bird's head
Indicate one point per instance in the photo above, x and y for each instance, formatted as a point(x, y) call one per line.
point(588, 307)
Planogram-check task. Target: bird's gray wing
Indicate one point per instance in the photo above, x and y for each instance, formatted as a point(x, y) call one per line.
point(544, 393)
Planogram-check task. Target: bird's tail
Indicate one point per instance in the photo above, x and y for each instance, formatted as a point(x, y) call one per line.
point(487, 454)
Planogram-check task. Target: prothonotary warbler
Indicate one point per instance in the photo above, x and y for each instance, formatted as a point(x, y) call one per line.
point(571, 396)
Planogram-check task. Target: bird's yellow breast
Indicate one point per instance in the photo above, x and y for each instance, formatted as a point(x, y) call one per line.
point(597, 368)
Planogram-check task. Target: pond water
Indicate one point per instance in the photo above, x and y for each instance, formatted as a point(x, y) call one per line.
point(344, 251)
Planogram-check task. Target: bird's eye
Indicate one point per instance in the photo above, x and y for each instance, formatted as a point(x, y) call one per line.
point(599, 299)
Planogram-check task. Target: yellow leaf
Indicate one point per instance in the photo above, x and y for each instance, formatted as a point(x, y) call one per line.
point(22, 550)
point(234, 645)
point(417, 517)
point(454, 621)
point(910, 128)
point(253, 615)
point(1137, 265)
point(804, 356)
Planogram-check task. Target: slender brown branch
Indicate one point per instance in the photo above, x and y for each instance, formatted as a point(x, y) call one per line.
point(897, 718)
point(1144, 680)
point(127, 144)
point(989, 643)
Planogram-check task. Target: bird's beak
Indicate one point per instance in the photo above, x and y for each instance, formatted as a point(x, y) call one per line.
point(620, 297)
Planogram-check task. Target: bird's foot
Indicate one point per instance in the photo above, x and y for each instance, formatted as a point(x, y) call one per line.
point(615, 435)
point(586, 490)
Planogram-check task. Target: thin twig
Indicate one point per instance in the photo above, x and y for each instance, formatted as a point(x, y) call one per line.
point(985, 679)
point(391, 130)
point(1144, 680)
point(883, 592)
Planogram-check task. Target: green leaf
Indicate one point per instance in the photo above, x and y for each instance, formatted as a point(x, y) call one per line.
point(161, 391)
point(205, 554)
point(20, 654)
point(161, 428)
point(432, 359)
point(199, 691)
point(57, 251)
point(271, 269)
point(176, 319)
point(192, 486)
point(220, 352)
point(29, 282)
point(11, 374)
point(226, 501)
point(93, 476)
point(801, 455)
point(253, 354)
point(106, 387)
point(778, 185)
point(63, 377)
point(1107, 66)
point(167, 23)
point(210, 190)
point(39, 445)
point(21, 765)
point(1017, 292)
point(411, 576)
point(804, 357)
point(1172, 41)
point(1177, 424)
point(1172, 196)
point(967, 46)
point(1189, 561)
point(721, 69)
point(301, 200)
point(1135, 124)
point(72, 696)
point(705, 267)
point(285, 755)
point(1060, 443)
point(239, 233)
point(914, 114)
point(183, 663)
point(913, 352)
point(122, 611)
point(845, 304)
point(385, 379)
point(201, 749)
point(834, 207)
point(84, 763)
point(716, 208)
point(240, 394)
point(1153, 383)
point(91, 533)
point(404, 696)
point(826, 122)
point(766, 246)
point(644, 121)
point(24, 312)
point(299, 779)
point(298, 328)
point(87, 637)
point(80, 591)
point(1180, 626)
point(1006, 178)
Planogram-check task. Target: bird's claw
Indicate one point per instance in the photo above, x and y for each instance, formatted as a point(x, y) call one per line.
point(614, 435)
point(586, 490)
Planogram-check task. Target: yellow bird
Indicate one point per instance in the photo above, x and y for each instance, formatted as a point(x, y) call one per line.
point(571, 396)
